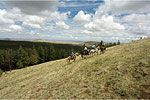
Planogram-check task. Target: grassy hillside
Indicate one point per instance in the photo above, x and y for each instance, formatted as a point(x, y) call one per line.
point(122, 71)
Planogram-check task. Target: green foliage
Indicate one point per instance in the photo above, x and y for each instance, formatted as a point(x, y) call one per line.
point(108, 82)
point(34, 57)
point(118, 43)
point(52, 53)
point(2, 61)
point(9, 56)
point(41, 54)
point(1, 72)
point(20, 54)
point(19, 64)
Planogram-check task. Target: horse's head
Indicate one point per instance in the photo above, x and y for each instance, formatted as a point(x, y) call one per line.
point(76, 54)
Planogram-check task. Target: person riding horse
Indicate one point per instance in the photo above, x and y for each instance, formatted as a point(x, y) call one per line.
point(72, 54)
point(71, 57)
point(94, 47)
point(84, 52)
point(102, 47)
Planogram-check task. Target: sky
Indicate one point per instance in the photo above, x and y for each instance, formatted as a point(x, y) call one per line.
point(75, 20)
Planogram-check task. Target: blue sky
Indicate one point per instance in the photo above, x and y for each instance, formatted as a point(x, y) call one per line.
point(75, 20)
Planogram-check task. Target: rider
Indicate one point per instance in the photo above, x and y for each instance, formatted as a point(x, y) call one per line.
point(94, 47)
point(103, 44)
point(85, 48)
point(72, 54)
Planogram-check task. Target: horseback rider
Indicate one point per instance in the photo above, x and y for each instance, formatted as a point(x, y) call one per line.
point(72, 54)
point(94, 47)
point(86, 52)
point(85, 48)
point(103, 44)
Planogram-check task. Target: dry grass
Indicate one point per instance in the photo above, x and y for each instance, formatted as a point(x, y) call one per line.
point(121, 72)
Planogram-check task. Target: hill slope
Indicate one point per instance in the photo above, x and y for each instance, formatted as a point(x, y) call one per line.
point(121, 72)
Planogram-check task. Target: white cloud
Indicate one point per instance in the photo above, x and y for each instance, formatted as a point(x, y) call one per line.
point(125, 6)
point(136, 18)
point(62, 25)
point(57, 16)
point(8, 19)
point(106, 23)
point(139, 29)
point(33, 21)
point(33, 7)
point(82, 17)
point(16, 27)
point(41, 15)
point(93, 0)
point(138, 24)
point(3, 19)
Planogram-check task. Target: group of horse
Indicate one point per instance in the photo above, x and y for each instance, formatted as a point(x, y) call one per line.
point(88, 52)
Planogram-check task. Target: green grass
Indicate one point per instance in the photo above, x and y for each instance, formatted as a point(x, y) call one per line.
point(121, 72)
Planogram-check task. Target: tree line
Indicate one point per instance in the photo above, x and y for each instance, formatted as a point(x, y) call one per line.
point(23, 56)
point(110, 44)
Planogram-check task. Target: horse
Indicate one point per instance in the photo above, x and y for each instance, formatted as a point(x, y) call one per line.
point(71, 58)
point(93, 51)
point(85, 53)
point(102, 48)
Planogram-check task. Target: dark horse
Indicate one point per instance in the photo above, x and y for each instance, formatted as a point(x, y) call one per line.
point(85, 53)
point(102, 48)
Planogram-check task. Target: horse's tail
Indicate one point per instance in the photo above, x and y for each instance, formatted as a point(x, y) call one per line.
point(82, 55)
point(67, 60)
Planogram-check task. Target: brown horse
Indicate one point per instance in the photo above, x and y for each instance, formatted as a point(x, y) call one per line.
point(71, 58)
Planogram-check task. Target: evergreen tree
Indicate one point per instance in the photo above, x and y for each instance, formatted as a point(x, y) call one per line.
point(118, 43)
point(52, 53)
point(19, 64)
point(34, 57)
point(2, 61)
point(64, 53)
point(9, 56)
point(22, 55)
point(41, 54)
point(46, 53)
point(114, 43)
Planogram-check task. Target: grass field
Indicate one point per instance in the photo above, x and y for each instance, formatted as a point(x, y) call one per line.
point(123, 71)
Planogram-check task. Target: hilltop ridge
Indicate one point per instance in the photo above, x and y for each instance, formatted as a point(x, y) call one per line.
point(123, 71)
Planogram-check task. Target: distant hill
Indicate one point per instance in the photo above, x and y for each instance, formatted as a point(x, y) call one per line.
point(122, 72)
point(89, 43)
point(57, 42)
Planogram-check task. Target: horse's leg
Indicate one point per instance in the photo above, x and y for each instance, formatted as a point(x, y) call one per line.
point(101, 51)
point(67, 60)
point(74, 58)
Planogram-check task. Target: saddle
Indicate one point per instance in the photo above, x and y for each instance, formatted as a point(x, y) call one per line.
point(72, 57)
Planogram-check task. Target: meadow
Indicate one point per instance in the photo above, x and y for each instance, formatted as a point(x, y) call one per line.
point(122, 72)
